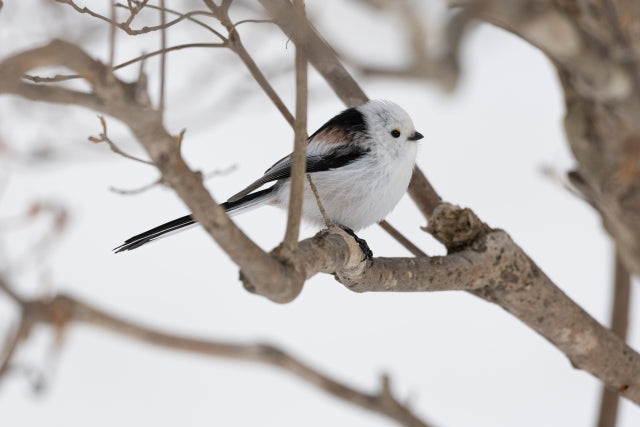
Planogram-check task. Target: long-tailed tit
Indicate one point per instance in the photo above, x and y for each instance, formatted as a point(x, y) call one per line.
point(360, 161)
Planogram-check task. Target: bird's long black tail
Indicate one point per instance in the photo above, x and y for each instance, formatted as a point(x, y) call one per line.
point(246, 202)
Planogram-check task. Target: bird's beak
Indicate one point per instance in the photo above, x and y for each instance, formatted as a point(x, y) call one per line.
point(416, 136)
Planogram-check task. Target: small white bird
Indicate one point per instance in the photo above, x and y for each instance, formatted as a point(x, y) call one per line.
point(360, 161)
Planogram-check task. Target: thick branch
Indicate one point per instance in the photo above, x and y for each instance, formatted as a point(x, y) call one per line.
point(493, 267)
point(270, 277)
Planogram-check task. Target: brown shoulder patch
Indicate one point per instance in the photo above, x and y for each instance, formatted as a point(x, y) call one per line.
point(332, 135)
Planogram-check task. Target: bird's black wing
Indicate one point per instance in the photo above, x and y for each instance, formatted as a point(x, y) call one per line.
point(282, 169)
point(342, 127)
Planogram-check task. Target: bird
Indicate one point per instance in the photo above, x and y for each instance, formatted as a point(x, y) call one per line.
point(360, 162)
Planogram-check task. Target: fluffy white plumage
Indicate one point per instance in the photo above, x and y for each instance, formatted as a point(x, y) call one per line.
point(366, 190)
point(361, 162)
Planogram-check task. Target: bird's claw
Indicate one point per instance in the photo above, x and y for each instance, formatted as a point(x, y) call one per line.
point(364, 247)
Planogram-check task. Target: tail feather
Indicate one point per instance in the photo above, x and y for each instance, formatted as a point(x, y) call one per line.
point(245, 203)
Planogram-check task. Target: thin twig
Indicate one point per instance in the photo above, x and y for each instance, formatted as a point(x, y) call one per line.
point(86, 10)
point(130, 192)
point(124, 26)
point(64, 77)
point(319, 53)
point(220, 172)
point(256, 73)
point(298, 167)
point(138, 190)
point(134, 11)
point(314, 189)
point(253, 21)
point(188, 16)
point(235, 44)
point(104, 138)
point(14, 336)
point(609, 399)
point(10, 346)
point(169, 49)
point(38, 249)
point(422, 193)
point(165, 25)
point(112, 36)
point(163, 56)
point(400, 238)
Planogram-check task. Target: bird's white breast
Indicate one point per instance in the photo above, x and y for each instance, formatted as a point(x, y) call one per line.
point(361, 193)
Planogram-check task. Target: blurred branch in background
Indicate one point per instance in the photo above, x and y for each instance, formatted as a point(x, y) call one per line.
point(112, 146)
point(425, 63)
point(621, 301)
point(62, 311)
point(35, 252)
point(595, 55)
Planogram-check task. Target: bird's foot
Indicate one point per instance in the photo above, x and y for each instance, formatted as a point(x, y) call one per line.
point(364, 247)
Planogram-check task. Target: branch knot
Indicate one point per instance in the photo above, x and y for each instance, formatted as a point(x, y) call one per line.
point(455, 227)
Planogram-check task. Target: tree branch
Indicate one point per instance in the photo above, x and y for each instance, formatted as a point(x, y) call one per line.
point(235, 44)
point(103, 137)
point(481, 260)
point(64, 77)
point(320, 55)
point(62, 311)
point(619, 324)
point(393, 232)
point(598, 70)
point(299, 156)
point(267, 275)
point(163, 57)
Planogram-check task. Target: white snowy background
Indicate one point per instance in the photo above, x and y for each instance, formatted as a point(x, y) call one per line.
point(459, 360)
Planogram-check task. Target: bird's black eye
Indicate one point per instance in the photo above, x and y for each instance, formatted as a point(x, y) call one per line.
point(395, 133)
